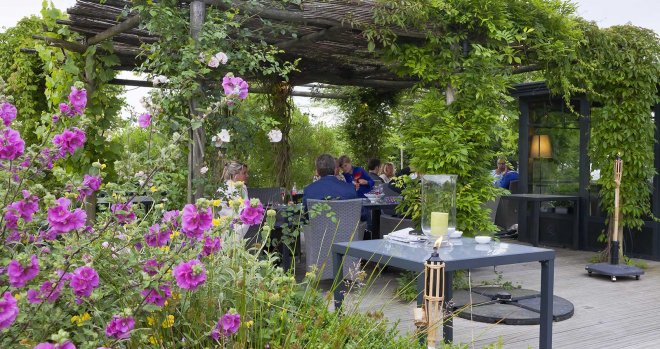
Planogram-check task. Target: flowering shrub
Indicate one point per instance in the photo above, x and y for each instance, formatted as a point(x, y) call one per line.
point(136, 279)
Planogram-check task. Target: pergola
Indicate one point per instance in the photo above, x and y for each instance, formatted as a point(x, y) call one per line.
point(328, 39)
point(329, 43)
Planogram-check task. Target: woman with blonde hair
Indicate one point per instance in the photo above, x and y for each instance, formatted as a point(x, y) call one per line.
point(387, 172)
point(233, 173)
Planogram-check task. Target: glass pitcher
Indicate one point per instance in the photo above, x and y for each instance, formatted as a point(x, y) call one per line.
point(438, 204)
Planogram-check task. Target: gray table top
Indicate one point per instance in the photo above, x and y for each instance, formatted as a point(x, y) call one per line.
point(541, 197)
point(386, 202)
point(459, 254)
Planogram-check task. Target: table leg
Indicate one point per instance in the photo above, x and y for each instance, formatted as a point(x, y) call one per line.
point(536, 212)
point(547, 281)
point(448, 324)
point(375, 217)
point(576, 225)
point(338, 276)
point(523, 226)
point(420, 289)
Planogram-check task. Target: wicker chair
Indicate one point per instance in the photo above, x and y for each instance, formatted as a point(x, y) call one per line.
point(322, 232)
point(389, 223)
point(267, 196)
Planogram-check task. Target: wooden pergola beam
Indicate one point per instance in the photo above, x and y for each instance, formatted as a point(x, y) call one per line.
point(288, 16)
point(67, 45)
point(309, 38)
point(122, 27)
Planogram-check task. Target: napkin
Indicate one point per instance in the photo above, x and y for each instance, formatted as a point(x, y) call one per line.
point(403, 235)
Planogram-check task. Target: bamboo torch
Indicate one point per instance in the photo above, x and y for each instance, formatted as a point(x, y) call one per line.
point(434, 292)
point(614, 250)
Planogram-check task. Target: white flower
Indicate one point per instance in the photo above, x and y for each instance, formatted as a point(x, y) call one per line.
point(160, 79)
point(221, 137)
point(222, 57)
point(202, 57)
point(213, 62)
point(203, 170)
point(275, 135)
point(105, 244)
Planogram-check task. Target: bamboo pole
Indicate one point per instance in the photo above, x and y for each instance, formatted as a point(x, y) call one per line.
point(616, 238)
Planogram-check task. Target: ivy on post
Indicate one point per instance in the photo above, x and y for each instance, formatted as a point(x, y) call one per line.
point(279, 100)
point(197, 139)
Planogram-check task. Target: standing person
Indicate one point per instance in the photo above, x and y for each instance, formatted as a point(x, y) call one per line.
point(356, 175)
point(387, 172)
point(328, 186)
point(374, 166)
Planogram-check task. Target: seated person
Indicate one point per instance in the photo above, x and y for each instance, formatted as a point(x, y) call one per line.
point(374, 166)
point(328, 186)
point(387, 172)
point(508, 176)
point(499, 171)
point(356, 175)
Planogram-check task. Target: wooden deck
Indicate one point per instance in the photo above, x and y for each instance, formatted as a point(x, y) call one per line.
point(622, 314)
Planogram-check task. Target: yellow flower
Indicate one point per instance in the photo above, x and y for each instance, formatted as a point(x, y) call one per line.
point(153, 189)
point(165, 249)
point(80, 319)
point(216, 222)
point(17, 296)
point(103, 166)
point(249, 324)
point(216, 203)
point(169, 321)
point(174, 234)
point(150, 320)
point(176, 295)
point(153, 340)
point(167, 303)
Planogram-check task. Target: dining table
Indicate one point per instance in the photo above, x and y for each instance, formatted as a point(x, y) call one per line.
point(376, 207)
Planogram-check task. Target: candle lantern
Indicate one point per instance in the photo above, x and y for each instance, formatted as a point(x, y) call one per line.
point(430, 315)
point(438, 204)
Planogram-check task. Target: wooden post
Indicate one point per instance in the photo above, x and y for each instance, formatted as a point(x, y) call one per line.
point(280, 106)
point(197, 139)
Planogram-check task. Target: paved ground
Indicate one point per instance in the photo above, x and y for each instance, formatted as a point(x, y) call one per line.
point(622, 314)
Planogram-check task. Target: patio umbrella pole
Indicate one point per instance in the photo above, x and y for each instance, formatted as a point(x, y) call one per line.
point(614, 269)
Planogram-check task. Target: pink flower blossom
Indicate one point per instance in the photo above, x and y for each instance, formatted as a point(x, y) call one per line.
point(196, 221)
point(235, 87)
point(221, 57)
point(144, 120)
point(89, 185)
point(189, 275)
point(83, 281)
point(151, 267)
point(21, 209)
point(171, 218)
point(227, 325)
point(49, 290)
point(120, 327)
point(123, 212)
point(7, 113)
point(157, 296)
point(157, 237)
point(11, 144)
point(61, 220)
point(65, 109)
point(252, 213)
point(8, 310)
point(46, 345)
point(78, 99)
point(213, 62)
point(211, 246)
point(69, 141)
point(19, 275)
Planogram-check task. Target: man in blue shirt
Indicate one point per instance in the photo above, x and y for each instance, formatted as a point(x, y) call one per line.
point(356, 175)
point(328, 186)
point(507, 178)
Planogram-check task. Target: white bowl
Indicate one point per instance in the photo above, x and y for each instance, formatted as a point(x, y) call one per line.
point(456, 234)
point(374, 197)
point(482, 239)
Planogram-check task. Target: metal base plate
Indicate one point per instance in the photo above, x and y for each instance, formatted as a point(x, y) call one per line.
point(523, 308)
point(614, 270)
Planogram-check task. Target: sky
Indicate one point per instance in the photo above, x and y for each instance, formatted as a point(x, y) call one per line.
point(605, 13)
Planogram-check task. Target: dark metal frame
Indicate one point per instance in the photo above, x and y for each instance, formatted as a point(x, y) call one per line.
point(415, 255)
